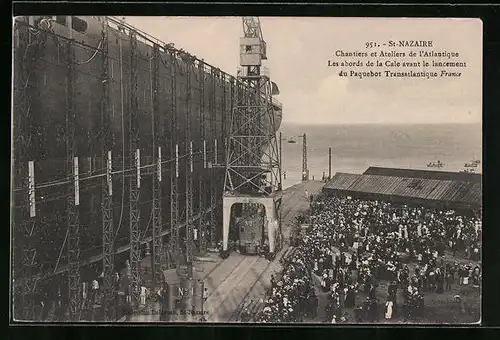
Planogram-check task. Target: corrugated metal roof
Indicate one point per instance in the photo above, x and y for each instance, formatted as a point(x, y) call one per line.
point(427, 174)
point(342, 181)
point(449, 191)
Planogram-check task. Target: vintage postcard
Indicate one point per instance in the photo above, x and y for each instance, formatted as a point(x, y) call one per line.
point(246, 169)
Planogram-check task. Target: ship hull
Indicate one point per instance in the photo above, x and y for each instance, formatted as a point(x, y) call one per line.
point(40, 124)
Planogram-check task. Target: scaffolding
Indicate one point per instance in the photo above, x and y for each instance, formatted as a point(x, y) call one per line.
point(189, 172)
point(174, 167)
point(97, 77)
point(73, 200)
point(202, 189)
point(108, 260)
point(27, 82)
point(134, 178)
point(157, 180)
point(214, 160)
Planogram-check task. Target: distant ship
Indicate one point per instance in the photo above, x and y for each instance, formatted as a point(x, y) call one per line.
point(437, 164)
point(292, 141)
point(471, 165)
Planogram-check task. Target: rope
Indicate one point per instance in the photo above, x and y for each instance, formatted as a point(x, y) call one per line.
point(62, 248)
point(92, 57)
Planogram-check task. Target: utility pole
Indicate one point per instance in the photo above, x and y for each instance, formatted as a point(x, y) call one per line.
point(329, 163)
point(305, 171)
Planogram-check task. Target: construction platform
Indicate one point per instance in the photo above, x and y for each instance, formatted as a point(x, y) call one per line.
point(241, 282)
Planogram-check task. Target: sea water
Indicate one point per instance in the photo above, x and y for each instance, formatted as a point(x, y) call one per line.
point(357, 147)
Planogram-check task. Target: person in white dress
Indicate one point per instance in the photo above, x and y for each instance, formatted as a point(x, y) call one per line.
point(388, 309)
point(143, 295)
point(95, 289)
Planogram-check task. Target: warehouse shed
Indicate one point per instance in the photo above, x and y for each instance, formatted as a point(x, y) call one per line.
point(428, 188)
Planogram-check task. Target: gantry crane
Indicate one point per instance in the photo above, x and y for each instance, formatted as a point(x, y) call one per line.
point(253, 167)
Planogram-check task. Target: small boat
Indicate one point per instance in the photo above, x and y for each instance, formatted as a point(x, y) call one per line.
point(474, 161)
point(471, 165)
point(292, 141)
point(437, 164)
point(468, 170)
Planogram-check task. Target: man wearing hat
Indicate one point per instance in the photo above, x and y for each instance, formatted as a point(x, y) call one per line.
point(392, 291)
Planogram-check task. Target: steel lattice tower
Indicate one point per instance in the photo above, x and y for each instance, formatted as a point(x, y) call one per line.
point(157, 180)
point(213, 160)
point(108, 259)
point(253, 126)
point(134, 189)
point(27, 85)
point(73, 195)
point(189, 170)
point(202, 190)
point(253, 168)
point(174, 166)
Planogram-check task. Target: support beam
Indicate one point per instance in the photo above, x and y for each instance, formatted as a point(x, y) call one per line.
point(281, 148)
point(73, 211)
point(26, 222)
point(108, 259)
point(189, 171)
point(213, 160)
point(174, 166)
point(226, 110)
point(134, 178)
point(157, 180)
point(202, 190)
point(225, 114)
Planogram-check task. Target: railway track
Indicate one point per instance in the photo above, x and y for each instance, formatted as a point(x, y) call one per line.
point(239, 282)
point(254, 306)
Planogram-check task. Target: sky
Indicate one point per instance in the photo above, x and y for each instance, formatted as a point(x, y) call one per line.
point(298, 50)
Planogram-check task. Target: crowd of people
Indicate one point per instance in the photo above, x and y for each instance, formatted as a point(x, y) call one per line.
point(355, 244)
point(292, 295)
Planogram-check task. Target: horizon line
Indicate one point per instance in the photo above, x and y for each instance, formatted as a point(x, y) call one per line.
point(388, 123)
